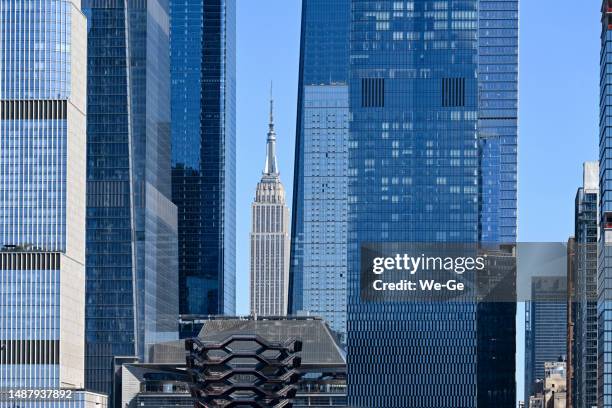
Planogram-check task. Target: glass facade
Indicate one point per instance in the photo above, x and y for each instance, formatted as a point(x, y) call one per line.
point(420, 170)
point(604, 261)
point(318, 270)
point(203, 65)
point(585, 292)
point(42, 195)
point(545, 326)
point(132, 293)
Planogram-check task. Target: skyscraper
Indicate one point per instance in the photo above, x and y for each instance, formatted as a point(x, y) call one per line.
point(132, 287)
point(203, 64)
point(584, 264)
point(42, 200)
point(318, 270)
point(432, 158)
point(270, 238)
point(604, 264)
point(545, 322)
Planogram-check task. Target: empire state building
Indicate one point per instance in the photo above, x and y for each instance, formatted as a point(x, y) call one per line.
point(270, 238)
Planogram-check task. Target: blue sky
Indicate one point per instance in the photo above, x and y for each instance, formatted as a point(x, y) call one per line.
point(559, 97)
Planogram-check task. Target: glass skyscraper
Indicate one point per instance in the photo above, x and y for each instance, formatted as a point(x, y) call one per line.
point(545, 325)
point(203, 64)
point(584, 282)
point(604, 261)
point(318, 269)
point(432, 158)
point(42, 200)
point(132, 290)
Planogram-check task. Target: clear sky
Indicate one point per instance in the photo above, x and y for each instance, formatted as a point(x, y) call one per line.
point(559, 103)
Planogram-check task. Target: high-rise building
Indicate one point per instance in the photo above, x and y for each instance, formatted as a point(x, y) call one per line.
point(42, 201)
point(545, 320)
point(571, 322)
point(203, 65)
point(584, 293)
point(318, 270)
point(132, 285)
point(432, 158)
point(270, 238)
point(604, 264)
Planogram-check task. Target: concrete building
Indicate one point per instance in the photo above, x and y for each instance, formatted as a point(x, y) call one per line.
point(42, 202)
point(551, 391)
point(270, 238)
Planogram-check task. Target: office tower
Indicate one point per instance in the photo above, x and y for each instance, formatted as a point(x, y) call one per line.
point(270, 238)
point(132, 285)
point(203, 65)
point(42, 200)
point(571, 322)
point(604, 265)
point(429, 139)
point(318, 271)
point(584, 294)
point(545, 321)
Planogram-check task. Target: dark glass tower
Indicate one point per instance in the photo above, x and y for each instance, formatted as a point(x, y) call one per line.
point(432, 158)
point(132, 290)
point(318, 270)
point(203, 64)
point(584, 350)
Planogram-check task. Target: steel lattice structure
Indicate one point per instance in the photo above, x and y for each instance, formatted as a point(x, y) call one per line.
point(243, 371)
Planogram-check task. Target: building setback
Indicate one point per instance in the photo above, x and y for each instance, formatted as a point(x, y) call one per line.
point(318, 269)
point(203, 65)
point(42, 201)
point(270, 238)
point(431, 158)
point(132, 290)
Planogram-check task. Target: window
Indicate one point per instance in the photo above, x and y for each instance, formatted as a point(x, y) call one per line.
point(453, 92)
point(373, 92)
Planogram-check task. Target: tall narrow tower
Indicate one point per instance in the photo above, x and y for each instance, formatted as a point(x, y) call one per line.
point(42, 202)
point(270, 238)
point(604, 264)
point(203, 104)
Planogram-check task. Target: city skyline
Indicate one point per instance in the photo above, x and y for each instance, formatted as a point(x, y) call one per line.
point(139, 186)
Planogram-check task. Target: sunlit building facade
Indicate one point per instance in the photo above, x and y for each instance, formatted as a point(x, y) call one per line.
point(431, 158)
point(42, 202)
point(132, 290)
point(318, 269)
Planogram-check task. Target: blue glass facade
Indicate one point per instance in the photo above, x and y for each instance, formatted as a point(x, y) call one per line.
point(604, 264)
point(132, 292)
point(318, 270)
point(545, 319)
point(42, 196)
point(203, 64)
point(585, 294)
point(425, 165)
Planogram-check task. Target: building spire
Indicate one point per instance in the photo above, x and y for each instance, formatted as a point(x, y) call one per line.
point(271, 166)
